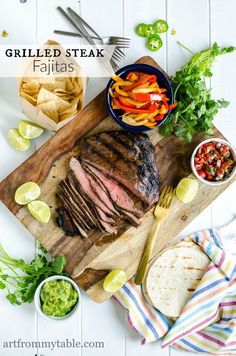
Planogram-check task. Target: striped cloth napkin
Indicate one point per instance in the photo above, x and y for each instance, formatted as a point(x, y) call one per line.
point(208, 321)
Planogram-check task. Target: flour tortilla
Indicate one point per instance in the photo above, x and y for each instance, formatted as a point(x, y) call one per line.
point(174, 276)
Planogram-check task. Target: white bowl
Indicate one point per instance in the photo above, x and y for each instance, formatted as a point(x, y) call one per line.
point(37, 301)
point(215, 183)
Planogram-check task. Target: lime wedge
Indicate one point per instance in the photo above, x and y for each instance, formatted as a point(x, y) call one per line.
point(18, 142)
point(186, 190)
point(40, 211)
point(29, 130)
point(114, 280)
point(27, 192)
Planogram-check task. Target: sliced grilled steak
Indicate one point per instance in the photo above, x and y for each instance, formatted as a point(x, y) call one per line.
point(104, 214)
point(75, 209)
point(83, 180)
point(116, 177)
point(130, 217)
point(71, 210)
point(85, 206)
point(102, 194)
point(116, 192)
point(64, 221)
point(127, 157)
point(70, 213)
point(104, 217)
point(76, 204)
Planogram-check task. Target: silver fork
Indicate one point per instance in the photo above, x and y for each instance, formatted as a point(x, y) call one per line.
point(83, 33)
point(117, 54)
point(119, 42)
point(112, 40)
point(78, 23)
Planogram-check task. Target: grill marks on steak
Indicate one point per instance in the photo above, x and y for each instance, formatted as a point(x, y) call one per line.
point(115, 174)
point(128, 158)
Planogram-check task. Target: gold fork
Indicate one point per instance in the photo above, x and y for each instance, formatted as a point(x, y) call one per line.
point(160, 213)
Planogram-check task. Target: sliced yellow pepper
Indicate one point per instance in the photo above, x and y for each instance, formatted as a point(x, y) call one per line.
point(150, 116)
point(121, 83)
point(116, 78)
point(141, 117)
point(162, 110)
point(133, 122)
point(142, 90)
point(121, 92)
point(151, 126)
point(137, 103)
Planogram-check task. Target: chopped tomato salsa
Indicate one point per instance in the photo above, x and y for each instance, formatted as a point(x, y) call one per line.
point(214, 161)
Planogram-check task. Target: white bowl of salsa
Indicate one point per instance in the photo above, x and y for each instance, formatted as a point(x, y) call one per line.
point(213, 161)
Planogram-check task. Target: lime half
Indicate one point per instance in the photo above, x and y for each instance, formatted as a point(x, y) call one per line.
point(29, 130)
point(18, 142)
point(40, 211)
point(27, 192)
point(186, 190)
point(114, 280)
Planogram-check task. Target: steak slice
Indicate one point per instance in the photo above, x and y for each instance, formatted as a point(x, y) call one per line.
point(75, 210)
point(85, 185)
point(127, 157)
point(116, 192)
point(130, 217)
point(76, 203)
point(65, 221)
point(102, 194)
point(85, 206)
point(70, 213)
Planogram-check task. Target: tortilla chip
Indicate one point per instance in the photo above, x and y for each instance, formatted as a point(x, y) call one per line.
point(32, 85)
point(45, 96)
point(73, 107)
point(69, 84)
point(29, 98)
point(50, 110)
point(54, 86)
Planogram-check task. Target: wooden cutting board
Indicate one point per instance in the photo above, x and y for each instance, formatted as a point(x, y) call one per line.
point(90, 259)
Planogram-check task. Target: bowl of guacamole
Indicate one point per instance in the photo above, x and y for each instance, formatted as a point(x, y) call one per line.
point(57, 298)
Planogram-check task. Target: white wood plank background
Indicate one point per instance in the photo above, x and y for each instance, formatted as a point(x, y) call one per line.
point(198, 23)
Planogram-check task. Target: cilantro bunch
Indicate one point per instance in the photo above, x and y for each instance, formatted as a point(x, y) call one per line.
point(195, 109)
point(20, 279)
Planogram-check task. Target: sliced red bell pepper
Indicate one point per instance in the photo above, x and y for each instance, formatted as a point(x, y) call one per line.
point(150, 109)
point(124, 102)
point(172, 106)
point(159, 117)
point(144, 79)
point(132, 76)
point(146, 96)
point(152, 78)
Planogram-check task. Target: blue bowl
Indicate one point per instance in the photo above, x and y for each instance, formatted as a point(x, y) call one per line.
point(163, 81)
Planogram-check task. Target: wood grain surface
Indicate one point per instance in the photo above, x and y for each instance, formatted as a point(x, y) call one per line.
point(90, 259)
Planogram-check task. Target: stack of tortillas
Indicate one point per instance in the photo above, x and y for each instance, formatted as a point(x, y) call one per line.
point(174, 276)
